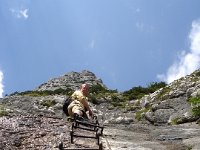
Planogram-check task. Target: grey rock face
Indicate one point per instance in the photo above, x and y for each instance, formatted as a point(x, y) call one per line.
point(171, 103)
point(72, 80)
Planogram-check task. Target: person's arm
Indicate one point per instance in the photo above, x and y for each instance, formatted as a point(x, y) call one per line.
point(85, 103)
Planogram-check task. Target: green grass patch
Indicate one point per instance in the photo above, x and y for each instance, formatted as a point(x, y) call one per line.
point(197, 73)
point(139, 91)
point(98, 88)
point(138, 115)
point(175, 121)
point(59, 91)
point(48, 103)
point(163, 92)
point(3, 111)
point(195, 103)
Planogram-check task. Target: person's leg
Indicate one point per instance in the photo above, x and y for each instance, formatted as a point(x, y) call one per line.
point(76, 110)
point(70, 110)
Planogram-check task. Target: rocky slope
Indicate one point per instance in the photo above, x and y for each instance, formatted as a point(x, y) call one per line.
point(36, 121)
point(171, 103)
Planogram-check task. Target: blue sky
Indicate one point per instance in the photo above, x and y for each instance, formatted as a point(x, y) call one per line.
point(126, 43)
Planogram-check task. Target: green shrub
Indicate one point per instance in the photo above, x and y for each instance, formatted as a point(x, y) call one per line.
point(115, 98)
point(3, 111)
point(175, 121)
point(198, 73)
point(48, 103)
point(152, 87)
point(195, 102)
point(14, 93)
point(97, 89)
point(67, 91)
point(138, 114)
point(135, 93)
point(115, 101)
point(139, 92)
point(164, 91)
point(93, 99)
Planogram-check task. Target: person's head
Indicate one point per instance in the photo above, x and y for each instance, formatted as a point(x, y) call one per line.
point(85, 88)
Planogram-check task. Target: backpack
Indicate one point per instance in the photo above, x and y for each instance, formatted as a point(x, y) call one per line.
point(66, 104)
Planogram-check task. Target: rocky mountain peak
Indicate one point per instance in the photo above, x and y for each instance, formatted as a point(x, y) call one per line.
point(71, 80)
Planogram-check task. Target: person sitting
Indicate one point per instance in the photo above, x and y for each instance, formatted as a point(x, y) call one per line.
point(78, 107)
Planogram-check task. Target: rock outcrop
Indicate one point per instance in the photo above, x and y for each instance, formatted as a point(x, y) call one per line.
point(71, 80)
point(170, 104)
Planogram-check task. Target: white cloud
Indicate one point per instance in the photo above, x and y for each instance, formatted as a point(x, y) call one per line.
point(1, 84)
point(24, 13)
point(20, 13)
point(187, 62)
